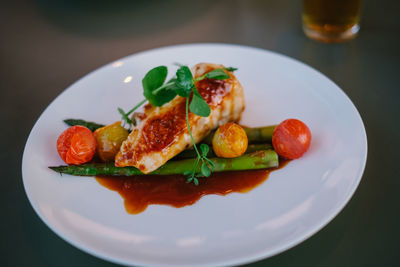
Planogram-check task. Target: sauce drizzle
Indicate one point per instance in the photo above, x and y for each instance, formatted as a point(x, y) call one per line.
point(139, 192)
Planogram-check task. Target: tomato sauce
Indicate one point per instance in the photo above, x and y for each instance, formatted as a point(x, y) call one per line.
point(139, 192)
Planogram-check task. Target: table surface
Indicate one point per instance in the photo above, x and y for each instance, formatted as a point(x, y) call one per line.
point(46, 45)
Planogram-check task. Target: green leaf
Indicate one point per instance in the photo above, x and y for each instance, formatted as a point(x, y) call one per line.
point(122, 112)
point(172, 87)
point(204, 149)
point(232, 69)
point(152, 81)
point(205, 170)
point(198, 105)
point(184, 81)
point(218, 74)
point(195, 181)
point(187, 173)
point(210, 162)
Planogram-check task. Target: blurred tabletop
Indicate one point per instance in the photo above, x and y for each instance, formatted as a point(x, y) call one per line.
point(46, 45)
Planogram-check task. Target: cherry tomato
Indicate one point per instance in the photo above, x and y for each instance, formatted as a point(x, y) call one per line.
point(76, 145)
point(229, 141)
point(109, 140)
point(291, 139)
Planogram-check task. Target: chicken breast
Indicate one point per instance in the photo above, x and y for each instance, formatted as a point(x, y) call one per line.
point(162, 133)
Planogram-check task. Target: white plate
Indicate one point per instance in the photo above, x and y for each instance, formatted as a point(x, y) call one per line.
point(294, 203)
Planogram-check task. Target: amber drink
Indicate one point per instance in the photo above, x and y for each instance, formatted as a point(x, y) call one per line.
point(331, 20)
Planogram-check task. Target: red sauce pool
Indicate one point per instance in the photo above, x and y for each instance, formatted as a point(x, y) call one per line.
point(139, 192)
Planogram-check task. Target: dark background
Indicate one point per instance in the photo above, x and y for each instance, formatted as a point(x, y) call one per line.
point(46, 45)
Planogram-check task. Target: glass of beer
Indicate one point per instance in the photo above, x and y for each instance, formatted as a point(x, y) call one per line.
point(331, 20)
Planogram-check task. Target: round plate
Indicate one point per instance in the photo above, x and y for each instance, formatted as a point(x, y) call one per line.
point(294, 203)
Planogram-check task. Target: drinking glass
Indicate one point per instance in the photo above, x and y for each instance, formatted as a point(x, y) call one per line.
point(331, 20)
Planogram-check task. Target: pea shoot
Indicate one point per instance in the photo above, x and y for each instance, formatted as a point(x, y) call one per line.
point(158, 92)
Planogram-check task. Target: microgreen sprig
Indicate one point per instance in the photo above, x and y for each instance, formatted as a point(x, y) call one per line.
point(158, 92)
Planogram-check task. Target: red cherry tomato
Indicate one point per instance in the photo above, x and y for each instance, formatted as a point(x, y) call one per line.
point(76, 145)
point(291, 139)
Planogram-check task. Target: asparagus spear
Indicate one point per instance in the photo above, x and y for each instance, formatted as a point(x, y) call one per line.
point(256, 160)
point(191, 153)
point(260, 134)
point(88, 124)
point(254, 135)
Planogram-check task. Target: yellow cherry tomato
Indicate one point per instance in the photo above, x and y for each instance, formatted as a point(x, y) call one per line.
point(230, 141)
point(109, 140)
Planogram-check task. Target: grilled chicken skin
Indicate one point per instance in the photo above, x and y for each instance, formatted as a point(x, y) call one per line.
point(162, 132)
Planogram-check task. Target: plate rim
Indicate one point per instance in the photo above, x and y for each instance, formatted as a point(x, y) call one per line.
point(263, 254)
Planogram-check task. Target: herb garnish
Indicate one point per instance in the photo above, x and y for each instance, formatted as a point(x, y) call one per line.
point(158, 92)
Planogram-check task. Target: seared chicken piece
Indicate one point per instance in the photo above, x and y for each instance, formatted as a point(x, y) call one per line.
point(162, 133)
